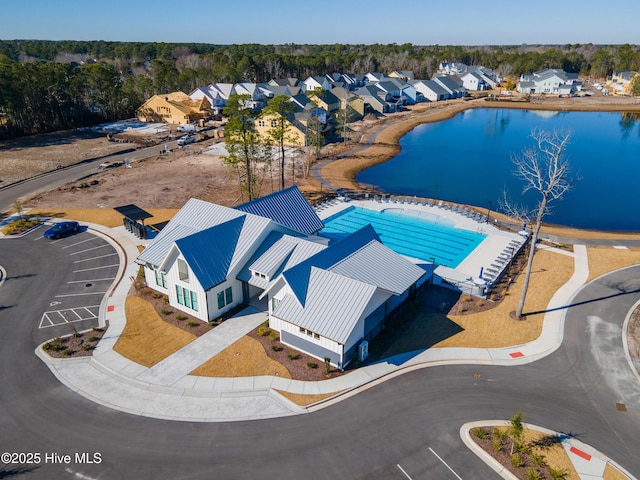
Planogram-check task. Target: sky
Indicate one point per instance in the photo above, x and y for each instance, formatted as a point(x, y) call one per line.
point(421, 22)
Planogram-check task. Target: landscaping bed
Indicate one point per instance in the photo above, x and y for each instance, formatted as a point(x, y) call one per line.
point(300, 366)
point(78, 344)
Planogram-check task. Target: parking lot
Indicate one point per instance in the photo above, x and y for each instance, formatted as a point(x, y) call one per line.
point(88, 266)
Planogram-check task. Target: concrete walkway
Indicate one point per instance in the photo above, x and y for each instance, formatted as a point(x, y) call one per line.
point(167, 391)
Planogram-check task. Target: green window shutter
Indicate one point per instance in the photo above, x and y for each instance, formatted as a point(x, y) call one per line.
point(179, 294)
point(187, 298)
point(220, 300)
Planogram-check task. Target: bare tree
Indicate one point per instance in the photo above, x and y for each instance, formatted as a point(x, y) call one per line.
point(544, 169)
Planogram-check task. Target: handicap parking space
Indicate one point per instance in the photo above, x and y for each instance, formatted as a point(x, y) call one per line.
point(91, 266)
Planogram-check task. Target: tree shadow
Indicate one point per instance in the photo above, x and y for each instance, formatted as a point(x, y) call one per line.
point(17, 277)
point(585, 302)
point(16, 471)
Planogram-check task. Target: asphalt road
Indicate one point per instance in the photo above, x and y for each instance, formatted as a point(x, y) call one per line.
point(368, 436)
point(56, 178)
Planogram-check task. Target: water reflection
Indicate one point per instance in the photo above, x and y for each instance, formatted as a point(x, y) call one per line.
point(497, 124)
point(627, 122)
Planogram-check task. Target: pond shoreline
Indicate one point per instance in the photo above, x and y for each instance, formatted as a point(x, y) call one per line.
point(382, 142)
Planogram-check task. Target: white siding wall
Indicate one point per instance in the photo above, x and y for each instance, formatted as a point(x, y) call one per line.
point(150, 278)
point(212, 297)
point(280, 326)
point(173, 279)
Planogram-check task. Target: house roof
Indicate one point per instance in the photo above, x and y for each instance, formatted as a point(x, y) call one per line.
point(287, 207)
point(211, 265)
point(195, 216)
point(334, 305)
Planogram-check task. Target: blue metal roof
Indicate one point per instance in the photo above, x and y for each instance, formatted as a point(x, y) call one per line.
point(298, 276)
point(287, 207)
point(209, 252)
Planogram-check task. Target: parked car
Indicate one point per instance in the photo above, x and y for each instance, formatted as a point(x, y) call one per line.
point(187, 128)
point(186, 140)
point(61, 229)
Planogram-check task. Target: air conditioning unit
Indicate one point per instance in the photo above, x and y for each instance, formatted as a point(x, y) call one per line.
point(363, 350)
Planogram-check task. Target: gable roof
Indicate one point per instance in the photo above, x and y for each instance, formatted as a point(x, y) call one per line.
point(287, 207)
point(334, 319)
point(298, 276)
point(211, 265)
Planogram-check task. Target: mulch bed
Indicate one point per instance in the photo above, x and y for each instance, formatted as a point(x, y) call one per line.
point(76, 345)
point(503, 455)
point(175, 317)
point(297, 366)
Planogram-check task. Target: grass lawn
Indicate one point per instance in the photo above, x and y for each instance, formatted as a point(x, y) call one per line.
point(607, 259)
point(244, 358)
point(146, 338)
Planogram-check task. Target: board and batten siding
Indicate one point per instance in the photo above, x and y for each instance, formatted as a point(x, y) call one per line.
point(292, 330)
point(212, 297)
point(173, 279)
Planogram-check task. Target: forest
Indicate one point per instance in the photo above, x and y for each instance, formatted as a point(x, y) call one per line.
point(56, 85)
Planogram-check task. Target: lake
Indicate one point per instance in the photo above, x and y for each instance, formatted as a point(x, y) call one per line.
point(468, 160)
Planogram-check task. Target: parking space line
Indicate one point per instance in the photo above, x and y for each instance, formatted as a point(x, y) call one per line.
point(402, 470)
point(95, 258)
point(89, 249)
point(60, 317)
point(79, 294)
point(78, 243)
point(445, 464)
point(92, 280)
point(95, 268)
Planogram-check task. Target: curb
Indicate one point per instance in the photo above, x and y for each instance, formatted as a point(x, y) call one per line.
point(465, 435)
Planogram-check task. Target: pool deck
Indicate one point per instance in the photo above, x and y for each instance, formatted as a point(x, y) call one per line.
point(489, 256)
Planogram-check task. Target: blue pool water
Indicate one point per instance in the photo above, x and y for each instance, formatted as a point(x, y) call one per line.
point(469, 159)
point(407, 233)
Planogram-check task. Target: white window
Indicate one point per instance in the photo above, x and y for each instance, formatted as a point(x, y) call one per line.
point(183, 270)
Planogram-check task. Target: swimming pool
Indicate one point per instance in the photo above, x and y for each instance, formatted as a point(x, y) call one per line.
point(407, 234)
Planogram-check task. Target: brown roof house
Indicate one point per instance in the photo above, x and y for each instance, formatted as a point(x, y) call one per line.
point(175, 107)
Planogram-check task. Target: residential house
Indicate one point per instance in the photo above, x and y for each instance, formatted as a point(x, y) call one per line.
point(452, 84)
point(473, 81)
point(317, 82)
point(452, 68)
point(547, 81)
point(217, 94)
point(431, 90)
point(353, 81)
point(327, 101)
point(348, 98)
point(376, 100)
point(257, 97)
point(405, 75)
point(620, 82)
point(400, 91)
point(296, 132)
point(375, 76)
point(175, 107)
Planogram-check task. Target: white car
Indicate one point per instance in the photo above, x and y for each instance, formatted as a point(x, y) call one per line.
point(186, 140)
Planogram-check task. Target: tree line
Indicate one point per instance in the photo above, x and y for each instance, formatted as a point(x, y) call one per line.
point(53, 85)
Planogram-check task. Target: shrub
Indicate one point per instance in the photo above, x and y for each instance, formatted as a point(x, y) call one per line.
point(537, 459)
point(92, 338)
point(262, 331)
point(533, 474)
point(86, 347)
point(276, 348)
point(192, 323)
point(327, 364)
point(500, 434)
point(67, 351)
point(75, 333)
point(180, 317)
point(479, 432)
point(166, 312)
point(497, 445)
point(165, 298)
point(97, 329)
point(516, 460)
point(292, 355)
point(312, 365)
point(557, 473)
point(273, 335)
point(266, 324)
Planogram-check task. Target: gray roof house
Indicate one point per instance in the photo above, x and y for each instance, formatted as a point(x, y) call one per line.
point(430, 90)
point(547, 81)
point(453, 87)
